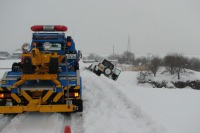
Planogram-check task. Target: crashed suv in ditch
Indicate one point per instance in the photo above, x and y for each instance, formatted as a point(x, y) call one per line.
point(106, 67)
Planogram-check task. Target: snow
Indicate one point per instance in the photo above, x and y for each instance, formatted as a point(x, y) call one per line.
point(176, 109)
point(8, 63)
point(162, 75)
point(120, 106)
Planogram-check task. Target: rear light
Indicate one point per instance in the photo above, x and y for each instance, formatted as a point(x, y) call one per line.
point(5, 95)
point(76, 94)
point(1, 96)
point(72, 94)
point(69, 44)
point(69, 41)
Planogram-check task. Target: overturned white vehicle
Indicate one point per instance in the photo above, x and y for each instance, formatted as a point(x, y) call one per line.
point(106, 67)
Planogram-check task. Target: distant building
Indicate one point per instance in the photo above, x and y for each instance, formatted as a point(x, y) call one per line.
point(16, 55)
point(4, 55)
point(3, 58)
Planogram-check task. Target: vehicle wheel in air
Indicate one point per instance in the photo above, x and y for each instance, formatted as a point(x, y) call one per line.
point(53, 66)
point(107, 71)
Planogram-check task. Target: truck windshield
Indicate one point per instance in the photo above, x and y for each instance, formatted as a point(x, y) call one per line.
point(52, 47)
point(55, 46)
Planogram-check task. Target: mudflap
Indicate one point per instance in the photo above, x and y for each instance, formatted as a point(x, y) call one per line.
point(79, 104)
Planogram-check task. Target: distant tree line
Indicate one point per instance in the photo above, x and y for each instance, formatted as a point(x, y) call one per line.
point(174, 63)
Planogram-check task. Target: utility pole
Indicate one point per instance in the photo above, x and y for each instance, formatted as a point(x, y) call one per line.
point(129, 44)
point(128, 49)
point(113, 51)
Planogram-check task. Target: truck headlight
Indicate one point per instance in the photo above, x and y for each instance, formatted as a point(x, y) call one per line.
point(47, 46)
point(26, 47)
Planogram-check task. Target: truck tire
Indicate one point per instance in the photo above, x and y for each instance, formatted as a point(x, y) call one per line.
point(53, 66)
point(107, 71)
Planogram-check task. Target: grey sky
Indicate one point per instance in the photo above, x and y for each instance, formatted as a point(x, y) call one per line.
point(154, 26)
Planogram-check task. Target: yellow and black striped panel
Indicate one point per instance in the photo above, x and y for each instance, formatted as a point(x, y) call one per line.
point(47, 96)
point(72, 87)
point(5, 89)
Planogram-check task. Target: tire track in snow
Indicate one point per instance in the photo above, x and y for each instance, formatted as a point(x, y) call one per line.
point(41, 122)
point(77, 123)
point(36, 122)
point(4, 121)
point(135, 111)
point(108, 110)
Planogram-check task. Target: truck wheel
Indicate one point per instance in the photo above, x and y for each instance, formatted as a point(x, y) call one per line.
point(107, 71)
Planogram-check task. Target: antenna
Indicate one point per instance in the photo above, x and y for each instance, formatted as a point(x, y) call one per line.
point(128, 50)
point(73, 32)
point(129, 44)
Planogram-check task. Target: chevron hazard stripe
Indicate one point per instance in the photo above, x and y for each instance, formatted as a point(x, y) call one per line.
point(7, 89)
point(72, 87)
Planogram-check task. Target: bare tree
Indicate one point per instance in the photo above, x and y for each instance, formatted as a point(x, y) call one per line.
point(194, 64)
point(175, 63)
point(180, 64)
point(154, 64)
point(127, 57)
point(141, 61)
point(93, 56)
point(113, 57)
point(169, 63)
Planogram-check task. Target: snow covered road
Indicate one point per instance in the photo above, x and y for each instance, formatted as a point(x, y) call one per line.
point(106, 110)
point(40, 123)
point(35, 122)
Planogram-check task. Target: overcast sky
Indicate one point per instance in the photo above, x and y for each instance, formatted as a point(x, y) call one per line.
point(154, 26)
